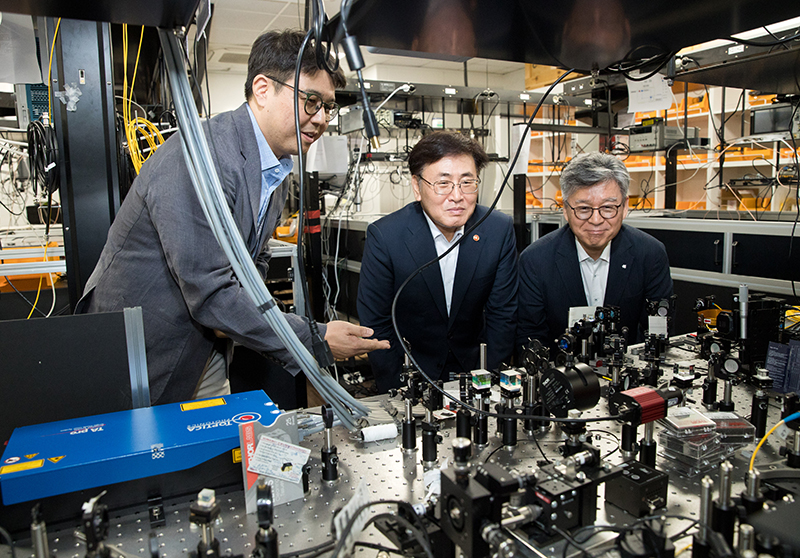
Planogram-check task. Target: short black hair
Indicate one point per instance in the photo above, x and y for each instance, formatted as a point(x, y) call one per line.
point(274, 54)
point(438, 145)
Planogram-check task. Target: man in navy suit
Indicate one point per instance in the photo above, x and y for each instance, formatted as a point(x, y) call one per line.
point(594, 261)
point(467, 297)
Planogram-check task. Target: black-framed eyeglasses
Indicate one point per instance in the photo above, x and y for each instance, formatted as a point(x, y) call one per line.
point(444, 187)
point(585, 212)
point(314, 102)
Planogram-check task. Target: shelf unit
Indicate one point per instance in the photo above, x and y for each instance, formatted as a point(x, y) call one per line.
point(699, 185)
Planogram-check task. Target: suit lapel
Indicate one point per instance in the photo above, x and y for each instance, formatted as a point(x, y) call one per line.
point(622, 260)
point(251, 161)
point(469, 252)
point(569, 270)
point(419, 243)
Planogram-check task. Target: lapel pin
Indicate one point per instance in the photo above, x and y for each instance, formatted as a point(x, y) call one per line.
point(624, 266)
point(476, 238)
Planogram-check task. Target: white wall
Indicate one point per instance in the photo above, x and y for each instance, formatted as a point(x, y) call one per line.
point(227, 90)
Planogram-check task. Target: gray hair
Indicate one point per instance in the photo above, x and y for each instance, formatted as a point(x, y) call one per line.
point(588, 169)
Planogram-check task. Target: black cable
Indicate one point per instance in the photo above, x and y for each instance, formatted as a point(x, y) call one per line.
point(10, 211)
point(641, 523)
point(7, 537)
point(23, 296)
point(570, 541)
point(450, 249)
point(491, 453)
point(351, 522)
point(664, 59)
point(321, 350)
point(634, 64)
point(538, 445)
point(771, 34)
point(313, 550)
point(420, 535)
point(382, 548)
point(43, 156)
point(612, 452)
point(769, 44)
point(321, 33)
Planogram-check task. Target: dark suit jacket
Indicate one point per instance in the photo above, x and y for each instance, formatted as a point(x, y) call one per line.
point(162, 255)
point(483, 307)
point(550, 283)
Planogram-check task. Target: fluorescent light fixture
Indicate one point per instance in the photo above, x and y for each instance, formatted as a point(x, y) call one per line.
point(417, 54)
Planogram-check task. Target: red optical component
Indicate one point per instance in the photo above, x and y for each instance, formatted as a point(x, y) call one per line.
point(653, 406)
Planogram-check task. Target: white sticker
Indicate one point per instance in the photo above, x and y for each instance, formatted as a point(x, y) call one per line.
point(652, 94)
point(657, 325)
point(577, 313)
point(341, 519)
point(278, 459)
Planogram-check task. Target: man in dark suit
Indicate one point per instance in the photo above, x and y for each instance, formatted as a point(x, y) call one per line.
point(162, 255)
point(595, 260)
point(466, 298)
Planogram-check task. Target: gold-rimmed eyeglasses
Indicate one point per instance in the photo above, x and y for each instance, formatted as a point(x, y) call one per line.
point(444, 187)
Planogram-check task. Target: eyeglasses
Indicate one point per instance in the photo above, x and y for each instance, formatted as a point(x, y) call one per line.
point(444, 187)
point(585, 212)
point(314, 102)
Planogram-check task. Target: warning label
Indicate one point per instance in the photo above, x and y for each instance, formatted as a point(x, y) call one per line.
point(25, 466)
point(191, 406)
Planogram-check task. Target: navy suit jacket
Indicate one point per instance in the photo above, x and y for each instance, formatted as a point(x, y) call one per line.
point(551, 283)
point(483, 307)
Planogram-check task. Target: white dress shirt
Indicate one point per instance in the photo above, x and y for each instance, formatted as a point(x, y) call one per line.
point(448, 264)
point(594, 274)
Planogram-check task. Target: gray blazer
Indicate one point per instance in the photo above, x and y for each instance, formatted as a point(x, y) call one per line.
point(162, 255)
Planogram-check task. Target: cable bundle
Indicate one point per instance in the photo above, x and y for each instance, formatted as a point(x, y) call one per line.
point(43, 154)
point(209, 192)
point(138, 126)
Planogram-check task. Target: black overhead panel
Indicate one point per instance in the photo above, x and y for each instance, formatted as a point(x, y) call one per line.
point(151, 13)
point(577, 33)
point(774, 69)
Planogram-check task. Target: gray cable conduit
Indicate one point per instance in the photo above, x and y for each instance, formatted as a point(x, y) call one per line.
point(209, 192)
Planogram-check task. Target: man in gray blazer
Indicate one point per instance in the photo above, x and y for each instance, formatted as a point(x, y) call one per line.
point(162, 255)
